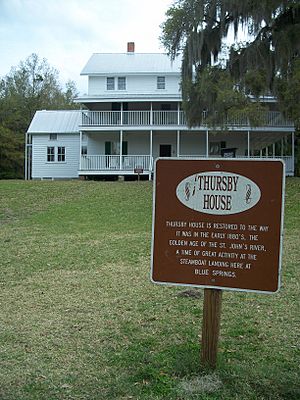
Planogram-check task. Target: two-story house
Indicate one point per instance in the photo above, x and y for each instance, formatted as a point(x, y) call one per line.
point(131, 115)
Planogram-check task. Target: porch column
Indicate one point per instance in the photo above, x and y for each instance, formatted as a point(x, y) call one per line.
point(29, 156)
point(293, 151)
point(151, 155)
point(80, 146)
point(248, 144)
point(26, 157)
point(121, 119)
point(178, 143)
point(121, 142)
point(207, 144)
point(178, 113)
point(151, 151)
point(151, 114)
point(273, 150)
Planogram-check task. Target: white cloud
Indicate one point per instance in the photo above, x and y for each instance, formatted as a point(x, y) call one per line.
point(67, 32)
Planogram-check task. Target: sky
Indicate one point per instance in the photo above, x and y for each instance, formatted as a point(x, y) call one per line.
point(68, 32)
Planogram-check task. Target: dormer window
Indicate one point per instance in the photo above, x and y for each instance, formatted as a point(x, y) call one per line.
point(110, 83)
point(161, 82)
point(53, 136)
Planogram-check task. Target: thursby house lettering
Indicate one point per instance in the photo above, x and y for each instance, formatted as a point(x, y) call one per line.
point(213, 183)
point(218, 192)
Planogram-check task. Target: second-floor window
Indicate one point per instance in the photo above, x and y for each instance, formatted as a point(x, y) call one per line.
point(161, 82)
point(121, 83)
point(110, 83)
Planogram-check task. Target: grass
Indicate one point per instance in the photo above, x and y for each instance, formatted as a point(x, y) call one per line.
point(79, 318)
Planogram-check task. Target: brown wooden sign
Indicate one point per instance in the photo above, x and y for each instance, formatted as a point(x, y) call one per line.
point(217, 223)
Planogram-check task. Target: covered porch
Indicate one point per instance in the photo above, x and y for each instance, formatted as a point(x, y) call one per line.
point(134, 152)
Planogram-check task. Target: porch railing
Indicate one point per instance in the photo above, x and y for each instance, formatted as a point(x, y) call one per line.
point(100, 163)
point(115, 163)
point(127, 163)
point(162, 118)
point(172, 118)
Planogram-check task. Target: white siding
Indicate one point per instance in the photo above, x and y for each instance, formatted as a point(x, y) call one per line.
point(138, 142)
point(135, 85)
point(164, 138)
point(233, 140)
point(96, 85)
point(96, 142)
point(192, 143)
point(43, 169)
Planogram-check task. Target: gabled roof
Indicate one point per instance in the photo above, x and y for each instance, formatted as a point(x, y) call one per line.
point(131, 63)
point(55, 122)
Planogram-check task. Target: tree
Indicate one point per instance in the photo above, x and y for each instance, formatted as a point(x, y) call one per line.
point(11, 154)
point(31, 86)
point(267, 62)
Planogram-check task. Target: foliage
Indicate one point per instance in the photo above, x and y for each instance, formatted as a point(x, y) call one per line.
point(11, 154)
point(80, 319)
point(220, 100)
point(288, 92)
point(31, 86)
point(198, 29)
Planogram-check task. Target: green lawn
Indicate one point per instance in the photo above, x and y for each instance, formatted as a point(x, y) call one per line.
point(80, 319)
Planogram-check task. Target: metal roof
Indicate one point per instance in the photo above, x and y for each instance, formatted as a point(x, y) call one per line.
point(55, 122)
point(131, 63)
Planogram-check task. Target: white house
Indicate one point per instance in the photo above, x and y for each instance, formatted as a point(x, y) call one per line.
point(131, 115)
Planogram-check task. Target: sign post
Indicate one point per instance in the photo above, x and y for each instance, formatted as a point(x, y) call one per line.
point(217, 224)
point(139, 171)
point(211, 326)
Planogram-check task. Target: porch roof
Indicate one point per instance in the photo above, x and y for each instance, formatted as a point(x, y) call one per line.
point(133, 97)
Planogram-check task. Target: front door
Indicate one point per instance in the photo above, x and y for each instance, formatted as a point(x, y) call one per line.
point(165, 150)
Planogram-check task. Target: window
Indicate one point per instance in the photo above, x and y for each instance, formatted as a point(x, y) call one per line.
point(113, 148)
point(50, 154)
point(216, 147)
point(83, 150)
point(110, 83)
point(53, 136)
point(161, 82)
point(61, 154)
point(121, 83)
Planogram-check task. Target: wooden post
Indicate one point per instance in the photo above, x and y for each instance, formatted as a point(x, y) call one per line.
point(211, 326)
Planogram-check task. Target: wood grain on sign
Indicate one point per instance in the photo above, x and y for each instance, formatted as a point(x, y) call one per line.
point(218, 223)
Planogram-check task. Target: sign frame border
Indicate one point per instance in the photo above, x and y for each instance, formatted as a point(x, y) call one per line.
point(281, 223)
